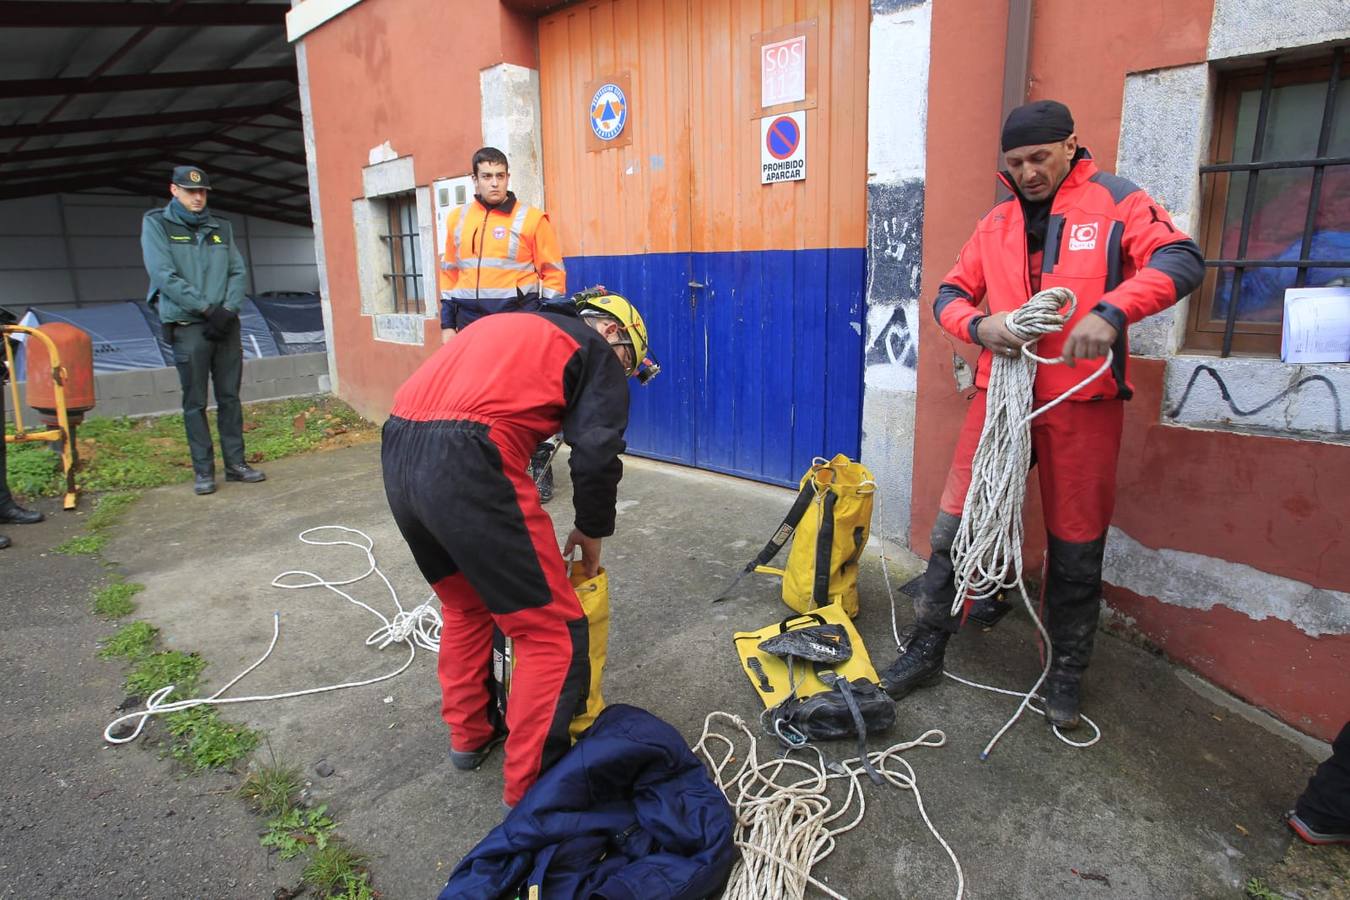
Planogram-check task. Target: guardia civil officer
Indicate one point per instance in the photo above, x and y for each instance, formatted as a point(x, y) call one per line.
point(197, 283)
point(455, 452)
point(1066, 224)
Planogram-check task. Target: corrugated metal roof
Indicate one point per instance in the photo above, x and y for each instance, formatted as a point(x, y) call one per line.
point(113, 94)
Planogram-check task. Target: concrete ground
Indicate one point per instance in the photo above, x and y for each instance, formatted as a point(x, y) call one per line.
point(1182, 797)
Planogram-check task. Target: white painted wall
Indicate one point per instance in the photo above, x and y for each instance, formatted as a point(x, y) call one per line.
point(896, 135)
point(61, 248)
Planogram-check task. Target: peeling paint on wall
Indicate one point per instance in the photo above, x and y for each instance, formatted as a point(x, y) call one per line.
point(1193, 581)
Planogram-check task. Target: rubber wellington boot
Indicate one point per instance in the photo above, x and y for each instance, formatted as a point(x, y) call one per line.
point(1063, 696)
point(919, 663)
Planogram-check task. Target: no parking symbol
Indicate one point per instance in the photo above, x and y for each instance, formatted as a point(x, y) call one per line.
point(783, 147)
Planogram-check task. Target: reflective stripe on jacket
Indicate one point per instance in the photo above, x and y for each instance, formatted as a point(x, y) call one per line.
point(1107, 240)
point(494, 258)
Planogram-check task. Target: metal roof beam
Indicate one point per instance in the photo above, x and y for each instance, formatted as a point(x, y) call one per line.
point(105, 165)
point(163, 142)
point(213, 169)
point(120, 123)
point(249, 206)
point(152, 81)
point(68, 14)
point(260, 149)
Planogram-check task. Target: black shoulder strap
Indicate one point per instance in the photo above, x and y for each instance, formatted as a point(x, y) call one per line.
point(780, 537)
point(820, 592)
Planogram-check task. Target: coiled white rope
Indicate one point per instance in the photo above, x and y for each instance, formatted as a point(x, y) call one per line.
point(785, 817)
point(987, 550)
point(419, 627)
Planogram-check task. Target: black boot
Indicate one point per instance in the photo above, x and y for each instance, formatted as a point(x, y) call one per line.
point(4, 542)
point(1062, 699)
point(919, 663)
point(1073, 595)
point(204, 482)
point(13, 514)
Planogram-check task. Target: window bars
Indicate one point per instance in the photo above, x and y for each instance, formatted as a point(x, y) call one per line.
point(1253, 168)
point(403, 242)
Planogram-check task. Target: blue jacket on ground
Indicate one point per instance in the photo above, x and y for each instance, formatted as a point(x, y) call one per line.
point(628, 814)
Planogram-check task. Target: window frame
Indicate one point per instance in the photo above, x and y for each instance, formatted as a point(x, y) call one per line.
point(403, 245)
point(1255, 338)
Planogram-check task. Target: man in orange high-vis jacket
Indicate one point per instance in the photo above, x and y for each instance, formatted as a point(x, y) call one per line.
point(1066, 224)
point(500, 254)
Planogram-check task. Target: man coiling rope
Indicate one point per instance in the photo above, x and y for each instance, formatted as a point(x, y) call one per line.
point(1066, 225)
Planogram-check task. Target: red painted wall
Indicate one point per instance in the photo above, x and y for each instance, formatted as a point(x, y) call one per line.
point(403, 71)
point(1269, 503)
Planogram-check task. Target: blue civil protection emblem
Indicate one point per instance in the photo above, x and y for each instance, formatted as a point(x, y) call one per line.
point(609, 111)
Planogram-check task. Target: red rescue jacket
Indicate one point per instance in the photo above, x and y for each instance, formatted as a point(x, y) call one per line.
point(1107, 240)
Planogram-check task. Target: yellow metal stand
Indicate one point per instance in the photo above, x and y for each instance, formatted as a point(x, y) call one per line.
point(60, 433)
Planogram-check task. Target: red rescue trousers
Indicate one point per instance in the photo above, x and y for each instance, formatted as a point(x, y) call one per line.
point(1074, 446)
point(471, 516)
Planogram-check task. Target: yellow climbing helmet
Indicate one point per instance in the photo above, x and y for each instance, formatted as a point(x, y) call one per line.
point(632, 330)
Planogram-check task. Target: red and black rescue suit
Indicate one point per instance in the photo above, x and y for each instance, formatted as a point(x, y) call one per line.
point(455, 452)
point(1124, 259)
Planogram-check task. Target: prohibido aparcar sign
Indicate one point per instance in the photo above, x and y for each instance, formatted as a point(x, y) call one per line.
point(783, 147)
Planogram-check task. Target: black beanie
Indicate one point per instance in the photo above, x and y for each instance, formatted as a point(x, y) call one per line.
point(1042, 122)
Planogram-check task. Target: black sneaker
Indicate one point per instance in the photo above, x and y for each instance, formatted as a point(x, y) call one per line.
point(245, 473)
point(1062, 699)
point(468, 760)
point(4, 542)
point(204, 483)
point(919, 663)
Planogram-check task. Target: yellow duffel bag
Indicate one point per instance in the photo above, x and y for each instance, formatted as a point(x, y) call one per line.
point(593, 594)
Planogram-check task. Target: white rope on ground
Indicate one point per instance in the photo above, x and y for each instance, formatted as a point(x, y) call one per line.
point(785, 827)
point(419, 627)
point(987, 550)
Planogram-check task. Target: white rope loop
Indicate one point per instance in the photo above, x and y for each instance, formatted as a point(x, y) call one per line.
point(987, 549)
point(419, 627)
point(785, 817)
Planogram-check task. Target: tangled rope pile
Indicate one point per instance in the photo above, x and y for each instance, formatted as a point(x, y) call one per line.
point(418, 627)
point(786, 821)
point(987, 550)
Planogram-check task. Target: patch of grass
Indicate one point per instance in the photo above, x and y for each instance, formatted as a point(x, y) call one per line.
point(271, 789)
point(83, 545)
point(338, 871)
point(122, 453)
point(132, 641)
point(107, 511)
point(158, 670)
point(113, 601)
point(296, 830)
point(1257, 890)
point(208, 741)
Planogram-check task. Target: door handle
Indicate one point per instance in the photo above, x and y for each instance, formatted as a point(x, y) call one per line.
point(697, 284)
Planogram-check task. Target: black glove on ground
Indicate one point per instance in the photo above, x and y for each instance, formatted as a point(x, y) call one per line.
point(218, 322)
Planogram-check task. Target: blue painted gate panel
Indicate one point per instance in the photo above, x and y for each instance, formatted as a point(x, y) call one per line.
point(761, 365)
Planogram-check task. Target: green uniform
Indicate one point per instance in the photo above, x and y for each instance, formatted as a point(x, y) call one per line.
point(193, 267)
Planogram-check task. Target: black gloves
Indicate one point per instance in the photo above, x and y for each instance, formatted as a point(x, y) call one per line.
point(218, 322)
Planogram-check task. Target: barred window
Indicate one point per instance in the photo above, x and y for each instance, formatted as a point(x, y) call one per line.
point(1276, 200)
point(401, 238)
